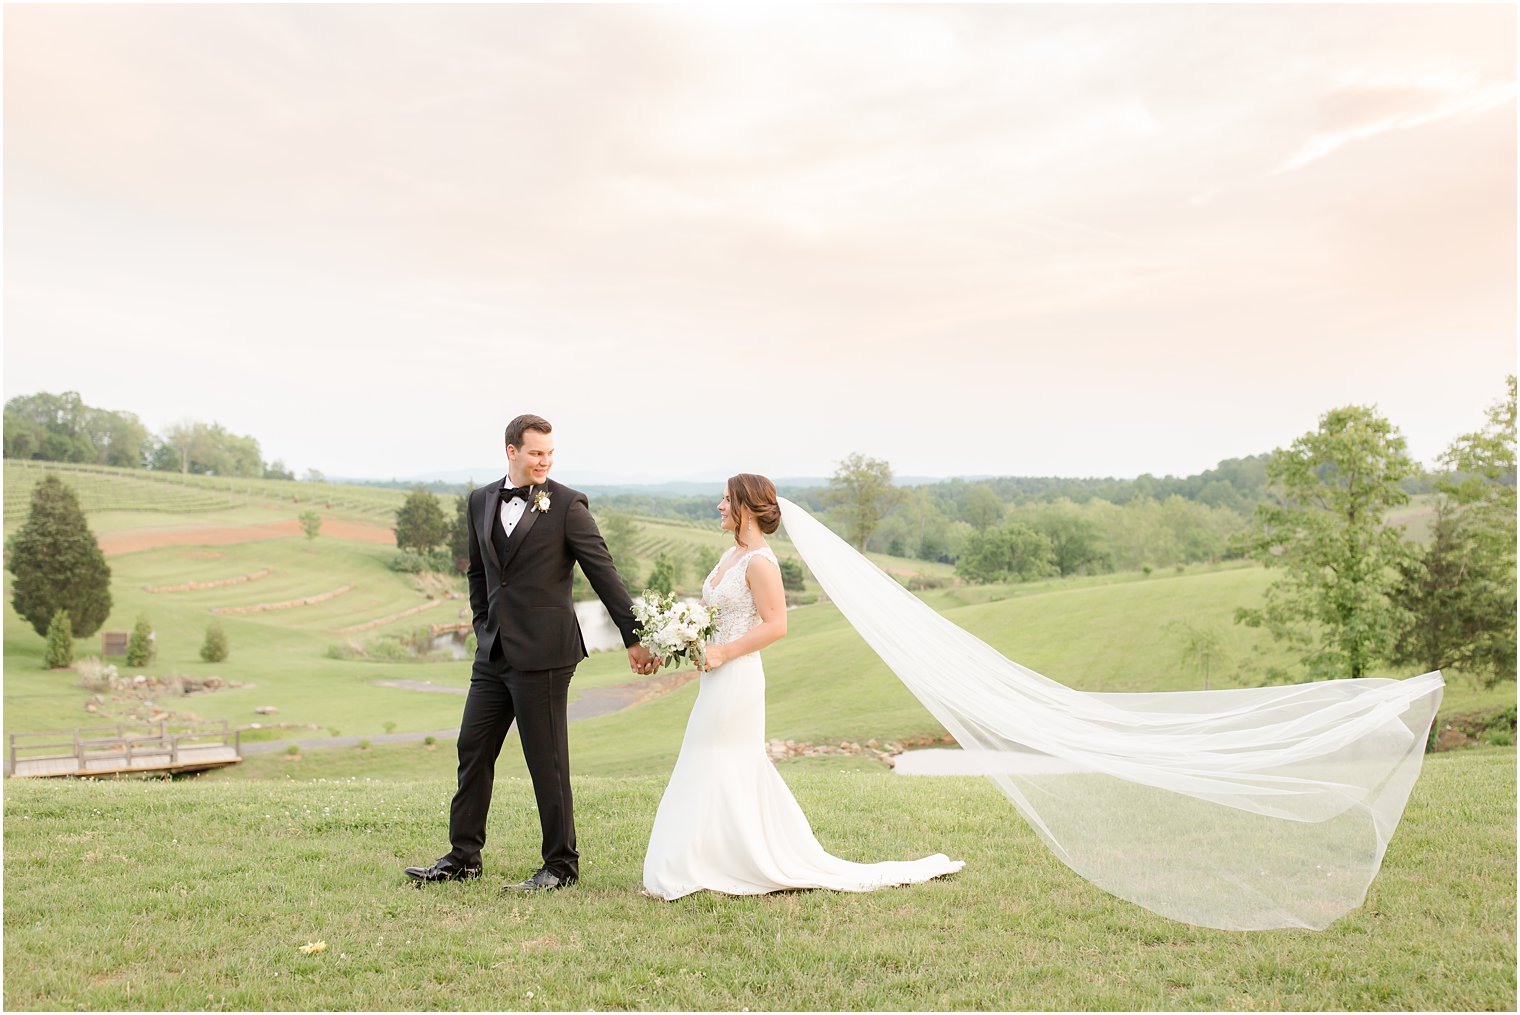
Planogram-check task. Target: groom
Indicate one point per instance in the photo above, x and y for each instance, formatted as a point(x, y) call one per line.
point(525, 534)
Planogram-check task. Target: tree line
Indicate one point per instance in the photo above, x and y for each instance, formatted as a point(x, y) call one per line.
point(1354, 590)
point(62, 428)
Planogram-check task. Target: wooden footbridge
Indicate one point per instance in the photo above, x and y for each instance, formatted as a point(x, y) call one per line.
point(123, 749)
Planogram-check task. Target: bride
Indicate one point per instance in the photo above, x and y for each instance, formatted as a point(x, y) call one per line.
point(727, 822)
point(1244, 808)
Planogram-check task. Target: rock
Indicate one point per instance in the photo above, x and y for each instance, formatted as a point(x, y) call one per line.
point(266, 710)
point(212, 683)
point(871, 744)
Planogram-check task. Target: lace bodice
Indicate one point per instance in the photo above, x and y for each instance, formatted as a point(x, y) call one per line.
point(737, 614)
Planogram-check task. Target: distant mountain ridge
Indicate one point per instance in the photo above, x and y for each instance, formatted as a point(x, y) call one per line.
point(606, 484)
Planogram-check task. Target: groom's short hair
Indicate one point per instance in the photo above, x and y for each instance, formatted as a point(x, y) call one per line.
point(522, 424)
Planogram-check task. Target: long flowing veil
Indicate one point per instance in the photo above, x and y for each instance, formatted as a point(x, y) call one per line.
point(1242, 809)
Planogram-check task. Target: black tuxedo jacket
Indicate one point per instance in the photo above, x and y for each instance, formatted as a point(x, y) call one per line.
point(520, 587)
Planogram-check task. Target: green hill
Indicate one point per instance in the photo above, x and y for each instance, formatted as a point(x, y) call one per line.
point(1107, 632)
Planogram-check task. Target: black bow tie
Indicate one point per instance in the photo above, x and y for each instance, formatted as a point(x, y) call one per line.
point(508, 492)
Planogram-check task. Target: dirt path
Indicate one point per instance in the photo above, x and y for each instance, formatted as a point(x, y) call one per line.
point(136, 540)
point(594, 702)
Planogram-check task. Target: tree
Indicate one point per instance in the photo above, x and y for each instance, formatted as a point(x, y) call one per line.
point(117, 437)
point(311, 523)
point(983, 508)
point(1076, 543)
point(1011, 552)
point(1200, 646)
point(277, 470)
point(160, 456)
point(862, 492)
point(621, 535)
point(704, 559)
point(1324, 529)
point(140, 647)
point(1457, 597)
point(662, 578)
point(791, 575)
point(58, 564)
point(185, 437)
point(60, 642)
point(420, 522)
point(214, 649)
point(459, 532)
point(50, 427)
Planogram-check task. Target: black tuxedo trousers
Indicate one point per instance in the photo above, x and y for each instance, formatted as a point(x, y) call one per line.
point(536, 700)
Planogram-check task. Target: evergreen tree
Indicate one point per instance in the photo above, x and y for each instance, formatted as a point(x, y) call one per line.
point(791, 575)
point(60, 642)
point(214, 648)
point(58, 564)
point(311, 523)
point(140, 647)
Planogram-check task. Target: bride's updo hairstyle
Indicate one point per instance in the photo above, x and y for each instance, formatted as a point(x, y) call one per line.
point(754, 497)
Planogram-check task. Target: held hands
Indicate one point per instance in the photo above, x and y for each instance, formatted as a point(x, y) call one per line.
point(641, 660)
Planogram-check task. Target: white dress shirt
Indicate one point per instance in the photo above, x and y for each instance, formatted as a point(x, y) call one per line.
point(511, 513)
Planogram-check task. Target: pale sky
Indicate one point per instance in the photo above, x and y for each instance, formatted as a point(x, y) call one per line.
point(970, 240)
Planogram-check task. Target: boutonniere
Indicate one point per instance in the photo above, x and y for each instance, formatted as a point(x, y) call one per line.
point(541, 500)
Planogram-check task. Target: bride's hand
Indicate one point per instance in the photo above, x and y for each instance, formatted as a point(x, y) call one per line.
point(716, 655)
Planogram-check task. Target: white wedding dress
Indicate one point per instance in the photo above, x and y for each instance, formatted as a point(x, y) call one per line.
point(727, 822)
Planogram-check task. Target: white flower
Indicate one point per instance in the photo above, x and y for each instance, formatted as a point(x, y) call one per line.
point(541, 500)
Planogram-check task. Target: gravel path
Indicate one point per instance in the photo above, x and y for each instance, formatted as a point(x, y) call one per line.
point(596, 701)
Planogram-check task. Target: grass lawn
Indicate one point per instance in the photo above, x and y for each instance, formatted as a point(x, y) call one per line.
point(198, 893)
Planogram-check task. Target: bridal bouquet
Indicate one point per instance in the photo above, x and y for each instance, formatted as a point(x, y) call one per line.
point(672, 629)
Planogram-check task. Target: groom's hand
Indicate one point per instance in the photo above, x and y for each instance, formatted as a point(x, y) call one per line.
point(642, 660)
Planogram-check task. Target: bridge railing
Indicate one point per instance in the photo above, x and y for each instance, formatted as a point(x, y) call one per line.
point(124, 741)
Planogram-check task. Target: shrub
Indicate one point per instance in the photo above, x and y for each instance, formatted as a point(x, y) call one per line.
point(140, 647)
point(294, 750)
point(390, 726)
point(412, 561)
point(430, 741)
point(214, 648)
point(408, 562)
point(363, 745)
point(60, 641)
point(311, 523)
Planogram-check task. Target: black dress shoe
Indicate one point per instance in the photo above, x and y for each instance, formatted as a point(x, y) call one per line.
point(543, 880)
point(441, 871)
